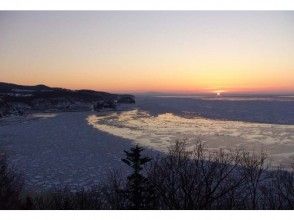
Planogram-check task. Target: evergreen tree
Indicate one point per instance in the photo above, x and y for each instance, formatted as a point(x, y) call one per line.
point(138, 190)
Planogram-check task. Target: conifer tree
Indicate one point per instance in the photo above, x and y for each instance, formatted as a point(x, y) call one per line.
point(138, 189)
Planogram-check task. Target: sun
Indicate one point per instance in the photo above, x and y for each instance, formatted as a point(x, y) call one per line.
point(218, 92)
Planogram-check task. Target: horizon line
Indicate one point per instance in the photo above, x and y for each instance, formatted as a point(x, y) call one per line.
point(178, 92)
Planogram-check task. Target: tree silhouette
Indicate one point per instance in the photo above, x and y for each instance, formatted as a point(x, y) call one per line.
point(139, 192)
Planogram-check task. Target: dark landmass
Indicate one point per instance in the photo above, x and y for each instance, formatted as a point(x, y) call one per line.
point(19, 99)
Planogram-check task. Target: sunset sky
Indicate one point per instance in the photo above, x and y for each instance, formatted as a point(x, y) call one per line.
point(150, 51)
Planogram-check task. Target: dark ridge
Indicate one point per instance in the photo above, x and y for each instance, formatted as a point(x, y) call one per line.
point(19, 99)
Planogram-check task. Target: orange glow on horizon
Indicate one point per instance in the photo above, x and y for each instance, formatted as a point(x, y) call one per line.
point(161, 86)
point(175, 52)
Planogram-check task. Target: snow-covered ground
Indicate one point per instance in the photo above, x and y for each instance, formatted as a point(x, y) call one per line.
point(159, 132)
point(52, 150)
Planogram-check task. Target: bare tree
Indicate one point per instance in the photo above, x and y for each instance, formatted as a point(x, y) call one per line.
point(200, 179)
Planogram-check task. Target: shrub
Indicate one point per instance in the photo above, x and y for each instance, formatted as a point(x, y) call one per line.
point(10, 186)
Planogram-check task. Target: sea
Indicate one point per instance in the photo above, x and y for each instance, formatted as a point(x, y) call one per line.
point(254, 123)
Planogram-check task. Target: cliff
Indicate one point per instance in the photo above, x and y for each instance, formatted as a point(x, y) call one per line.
point(19, 99)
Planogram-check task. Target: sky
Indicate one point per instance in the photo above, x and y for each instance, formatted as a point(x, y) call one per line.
point(150, 51)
